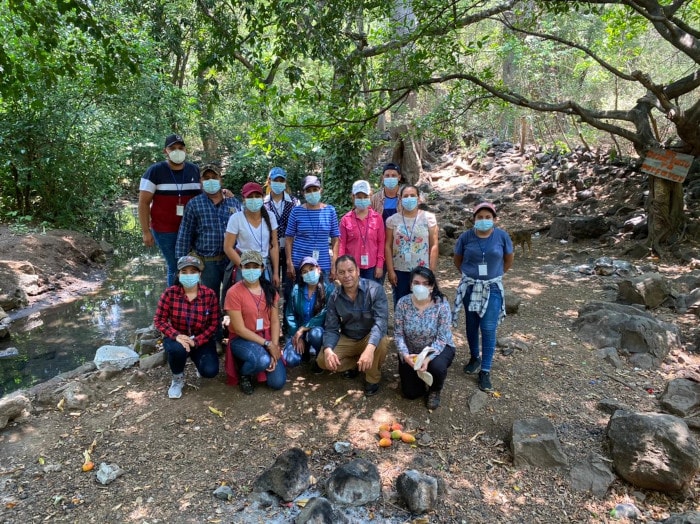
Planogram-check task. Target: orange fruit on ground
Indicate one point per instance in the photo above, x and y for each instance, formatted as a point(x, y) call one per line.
point(384, 434)
point(385, 427)
point(408, 438)
point(88, 466)
point(396, 434)
point(395, 426)
point(385, 442)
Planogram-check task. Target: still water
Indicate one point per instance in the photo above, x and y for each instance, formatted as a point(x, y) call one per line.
point(63, 337)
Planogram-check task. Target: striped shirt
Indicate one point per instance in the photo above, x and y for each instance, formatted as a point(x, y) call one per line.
point(176, 315)
point(204, 225)
point(170, 188)
point(311, 230)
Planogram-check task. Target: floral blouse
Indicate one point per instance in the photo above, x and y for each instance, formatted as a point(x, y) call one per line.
point(411, 241)
point(414, 329)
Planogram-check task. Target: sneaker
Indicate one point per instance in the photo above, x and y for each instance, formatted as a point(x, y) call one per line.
point(485, 381)
point(315, 368)
point(473, 366)
point(433, 401)
point(371, 389)
point(175, 390)
point(351, 373)
point(246, 384)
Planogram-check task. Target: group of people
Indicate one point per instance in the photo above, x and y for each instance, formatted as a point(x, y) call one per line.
point(245, 253)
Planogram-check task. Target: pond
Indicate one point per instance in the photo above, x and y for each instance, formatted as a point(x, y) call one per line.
point(63, 337)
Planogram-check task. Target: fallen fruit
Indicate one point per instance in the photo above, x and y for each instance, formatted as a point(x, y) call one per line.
point(396, 434)
point(385, 427)
point(408, 438)
point(385, 442)
point(88, 466)
point(395, 426)
point(384, 434)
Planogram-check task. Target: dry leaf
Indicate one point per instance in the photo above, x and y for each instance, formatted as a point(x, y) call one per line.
point(216, 411)
point(60, 404)
point(42, 461)
point(496, 394)
point(262, 418)
point(340, 399)
point(302, 502)
point(476, 436)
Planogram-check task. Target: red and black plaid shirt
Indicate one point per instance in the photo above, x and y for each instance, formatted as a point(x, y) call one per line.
point(176, 315)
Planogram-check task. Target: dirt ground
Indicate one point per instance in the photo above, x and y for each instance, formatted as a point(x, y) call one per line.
point(175, 453)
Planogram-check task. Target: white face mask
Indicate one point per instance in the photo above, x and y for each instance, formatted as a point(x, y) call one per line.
point(420, 292)
point(177, 156)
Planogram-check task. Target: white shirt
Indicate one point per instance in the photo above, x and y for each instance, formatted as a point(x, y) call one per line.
point(248, 237)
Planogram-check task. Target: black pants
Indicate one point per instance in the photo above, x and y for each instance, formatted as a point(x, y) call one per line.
point(413, 387)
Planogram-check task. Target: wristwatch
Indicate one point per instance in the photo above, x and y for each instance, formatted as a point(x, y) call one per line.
point(267, 344)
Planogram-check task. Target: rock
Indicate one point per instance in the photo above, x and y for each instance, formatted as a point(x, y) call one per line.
point(12, 407)
point(319, 510)
point(535, 443)
point(653, 450)
point(593, 475)
point(152, 361)
point(223, 493)
point(604, 266)
point(9, 352)
point(120, 356)
point(610, 356)
point(610, 405)
point(342, 447)
point(689, 517)
point(478, 401)
point(108, 473)
point(14, 299)
point(651, 290)
point(513, 302)
point(681, 397)
point(446, 247)
point(146, 346)
point(77, 396)
point(625, 511)
point(107, 372)
point(354, 484)
point(578, 227)
point(418, 491)
point(288, 477)
point(512, 343)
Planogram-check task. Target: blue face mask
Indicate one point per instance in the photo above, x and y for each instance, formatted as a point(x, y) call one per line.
point(483, 225)
point(313, 198)
point(251, 275)
point(189, 279)
point(409, 203)
point(211, 186)
point(362, 203)
point(391, 183)
point(278, 187)
point(253, 204)
point(312, 277)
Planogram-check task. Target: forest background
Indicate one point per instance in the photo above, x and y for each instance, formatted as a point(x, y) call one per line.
point(88, 91)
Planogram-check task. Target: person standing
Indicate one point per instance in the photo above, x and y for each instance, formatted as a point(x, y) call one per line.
point(386, 201)
point(188, 317)
point(309, 229)
point(280, 203)
point(355, 338)
point(362, 234)
point(483, 255)
point(204, 225)
point(423, 329)
point(411, 241)
point(165, 189)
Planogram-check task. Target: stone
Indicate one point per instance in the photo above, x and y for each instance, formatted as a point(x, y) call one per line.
point(512, 343)
point(535, 443)
point(9, 352)
point(354, 484)
point(288, 477)
point(689, 517)
point(610, 356)
point(650, 289)
point(592, 475)
point(319, 510)
point(478, 401)
point(152, 361)
point(146, 346)
point(223, 493)
point(120, 356)
point(513, 302)
point(417, 490)
point(653, 450)
point(578, 227)
point(610, 405)
point(108, 473)
point(12, 407)
point(681, 397)
point(446, 247)
point(77, 396)
point(626, 511)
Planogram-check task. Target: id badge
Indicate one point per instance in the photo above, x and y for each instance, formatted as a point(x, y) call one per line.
point(364, 260)
point(259, 324)
point(407, 257)
point(483, 270)
point(315, 253)
point(179, 210)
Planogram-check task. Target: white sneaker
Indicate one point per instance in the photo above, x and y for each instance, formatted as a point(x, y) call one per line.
point(176, 386)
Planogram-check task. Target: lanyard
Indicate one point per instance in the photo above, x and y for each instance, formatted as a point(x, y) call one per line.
point(257, 300)
point(483, 248)
point(188, 312)
point(410, 235)
point(178, 187)
point(252, 233)
point(278, 212)
point(313, 224)
point(363, 238)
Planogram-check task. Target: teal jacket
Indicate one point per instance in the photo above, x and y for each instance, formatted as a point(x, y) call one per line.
point(294, 309)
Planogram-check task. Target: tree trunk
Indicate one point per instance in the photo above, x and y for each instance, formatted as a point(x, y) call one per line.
point(666, 217)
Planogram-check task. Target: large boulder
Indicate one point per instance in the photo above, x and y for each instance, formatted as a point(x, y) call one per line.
point(121, 357)
point(681, 397)
point(650, 290)
point(578, 227)
point(653, 450)
point(354, 484)
point(418, 490)
point(535, 443)
point(288, 477)
point(12, 407)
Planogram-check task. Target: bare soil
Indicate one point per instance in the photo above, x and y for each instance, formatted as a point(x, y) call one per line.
point(175, 453)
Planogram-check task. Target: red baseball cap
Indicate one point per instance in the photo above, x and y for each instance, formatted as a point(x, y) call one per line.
point(484, 205)
point(251, 187)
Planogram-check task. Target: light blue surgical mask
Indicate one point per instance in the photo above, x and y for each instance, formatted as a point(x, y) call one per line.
point(362, 203)
point(483, 225)
point(313, 198)
point(212, 186)
point(278, 187)
point(312, 277)
point(189, 279)
point(391, 183)
point(409, 203)
point(253, 204)
point(251, 275)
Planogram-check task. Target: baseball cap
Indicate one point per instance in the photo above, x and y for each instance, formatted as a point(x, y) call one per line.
point(361, 186)
point(277, 172)
point(252, 257)
point(309, 260)
point(174, 139)
point(189, 260)
point(484, 205)
point(210, 167)
point(311, 181)
point(251, 187)
point(393, 166)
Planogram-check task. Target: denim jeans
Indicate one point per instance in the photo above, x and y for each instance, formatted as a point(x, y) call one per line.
point(255, 359)
point(403, 285)
point(166, 243)
point(313, 338)
point(204, 357)
point(213, 274)
point(369, 275)
point(487, 324)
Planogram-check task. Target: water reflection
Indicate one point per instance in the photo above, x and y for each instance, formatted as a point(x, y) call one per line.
point(60, 338)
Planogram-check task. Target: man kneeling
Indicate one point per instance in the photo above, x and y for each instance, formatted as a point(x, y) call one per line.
point(356, 322)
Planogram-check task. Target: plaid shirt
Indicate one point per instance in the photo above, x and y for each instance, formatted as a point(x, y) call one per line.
point(204, 225)
point(479, 297)
point(175, 315)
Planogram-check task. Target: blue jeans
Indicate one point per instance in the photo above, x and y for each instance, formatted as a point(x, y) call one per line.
point(204, 357)
point(255, 359)
point(369, 275)
point(213, 274)
point(487, 324)
point(402, 287)
point(313, 339)
point(166, 243)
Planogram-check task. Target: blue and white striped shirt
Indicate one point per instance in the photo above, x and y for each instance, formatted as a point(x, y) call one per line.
point(311, 230)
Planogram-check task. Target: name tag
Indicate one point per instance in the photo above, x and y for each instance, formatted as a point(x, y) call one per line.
point(259, 324)
point(315, 253)
point(483, 270)
point(364, 260)
point(179, 210)
point(408, 257)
